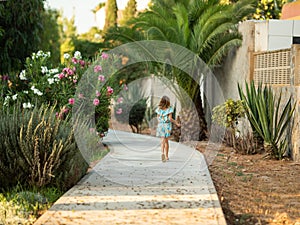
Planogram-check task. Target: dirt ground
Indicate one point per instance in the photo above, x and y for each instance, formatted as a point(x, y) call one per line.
point(253, 190)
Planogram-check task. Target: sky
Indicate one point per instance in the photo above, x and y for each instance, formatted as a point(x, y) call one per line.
point(84, 18)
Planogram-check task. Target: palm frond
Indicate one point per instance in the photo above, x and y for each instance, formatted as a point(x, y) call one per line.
point(242, 9)
point(220, 49)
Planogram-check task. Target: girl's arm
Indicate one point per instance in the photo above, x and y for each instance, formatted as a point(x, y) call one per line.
point(173, 121)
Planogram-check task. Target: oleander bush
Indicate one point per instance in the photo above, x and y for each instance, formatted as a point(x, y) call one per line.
point(38, 149)
point(41, 83)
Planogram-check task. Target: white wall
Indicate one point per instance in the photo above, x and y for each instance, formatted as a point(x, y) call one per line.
point(275, 34)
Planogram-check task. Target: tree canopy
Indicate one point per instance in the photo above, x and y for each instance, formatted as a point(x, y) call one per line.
point(21, 27)
point(129, 12)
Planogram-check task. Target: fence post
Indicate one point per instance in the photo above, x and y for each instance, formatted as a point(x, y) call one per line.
point(295, 87)
point(251, 66)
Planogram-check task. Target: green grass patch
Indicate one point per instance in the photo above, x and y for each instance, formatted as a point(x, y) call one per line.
point(23, 206)
point(232, 163)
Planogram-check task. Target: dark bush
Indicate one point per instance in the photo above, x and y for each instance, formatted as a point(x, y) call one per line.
point(133, 114)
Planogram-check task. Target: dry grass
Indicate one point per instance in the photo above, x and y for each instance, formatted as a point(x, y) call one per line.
point(253, 190)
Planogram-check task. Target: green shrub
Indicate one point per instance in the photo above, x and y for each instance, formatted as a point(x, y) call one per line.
point(38, 149)
point(228, 115)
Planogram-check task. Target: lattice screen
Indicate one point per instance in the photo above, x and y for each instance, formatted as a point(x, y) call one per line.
point(273, 67)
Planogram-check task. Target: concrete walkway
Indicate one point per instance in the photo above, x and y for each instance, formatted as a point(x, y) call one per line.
point(131, 185)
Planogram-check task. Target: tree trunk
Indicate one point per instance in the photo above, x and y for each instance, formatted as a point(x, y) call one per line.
point(202, 122)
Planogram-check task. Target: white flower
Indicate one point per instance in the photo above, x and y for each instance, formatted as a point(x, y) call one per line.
point(36, 91)
point(25, 92)
point(22, 75)
point(66, 56)
point(27, 105)
point(6, 100)
point(50, 80)
point(77, 55)
point(39, 93)
point(55, 70)
point(33, 56)
point(48, 54)
point(14, 97)
point(40, 53)
point(44, 69)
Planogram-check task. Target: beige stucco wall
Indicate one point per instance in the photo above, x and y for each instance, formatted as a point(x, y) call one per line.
point(234, 70)
point(236, 66)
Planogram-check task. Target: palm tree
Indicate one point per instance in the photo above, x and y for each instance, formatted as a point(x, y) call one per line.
point(207, 28)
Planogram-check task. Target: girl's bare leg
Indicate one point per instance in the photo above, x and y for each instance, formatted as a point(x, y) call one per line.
point(166, 148)
point(163, 149)
point(162, 145)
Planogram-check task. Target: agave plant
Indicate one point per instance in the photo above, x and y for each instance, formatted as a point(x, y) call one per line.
point(268, 117)
point(249, 99)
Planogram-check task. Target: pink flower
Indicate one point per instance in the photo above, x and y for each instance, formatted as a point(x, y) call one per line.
point(81, 62)
point(56, 114)
point(96, 101)
point(104, 55)
point(5, 77)
point(80, 96)
point(61, 76)
point(97, 68)
point(65, 110)
point(74, 81)
point(101, 78)
point(69, 71)
point(125, 87)
point(71, 101)
point(120, 100)
point(74, 60)
point(98, 93)
point(110, 90)
point(119, 111)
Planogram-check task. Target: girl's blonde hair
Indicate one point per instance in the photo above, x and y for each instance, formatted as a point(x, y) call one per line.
point(164, 102)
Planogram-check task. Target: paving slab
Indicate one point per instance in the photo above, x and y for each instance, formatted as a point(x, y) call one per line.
point(131, 185)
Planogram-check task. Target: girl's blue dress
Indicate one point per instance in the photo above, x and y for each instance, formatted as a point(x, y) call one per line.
point(164, 126)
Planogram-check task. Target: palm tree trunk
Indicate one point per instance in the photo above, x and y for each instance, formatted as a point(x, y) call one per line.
point(202, 122)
